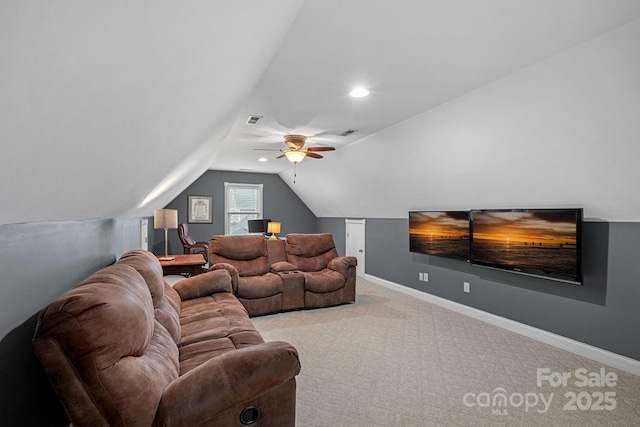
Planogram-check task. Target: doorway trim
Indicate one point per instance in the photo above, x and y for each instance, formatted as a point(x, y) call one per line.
point(359, 253)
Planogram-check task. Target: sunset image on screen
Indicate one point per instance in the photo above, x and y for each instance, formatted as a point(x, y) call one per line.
point(439, 224)
point(440, 233)
point(543, 243)
point(539, 228)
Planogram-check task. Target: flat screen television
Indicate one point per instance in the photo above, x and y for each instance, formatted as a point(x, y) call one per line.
point(440, 233)
point(544, 243)
point(258, 225)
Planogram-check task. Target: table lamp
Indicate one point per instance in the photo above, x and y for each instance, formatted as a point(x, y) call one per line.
point(273, 228)
point(165, 219)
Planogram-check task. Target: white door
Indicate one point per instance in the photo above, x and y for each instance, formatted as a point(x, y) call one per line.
point(355, 242)
point(144, 234)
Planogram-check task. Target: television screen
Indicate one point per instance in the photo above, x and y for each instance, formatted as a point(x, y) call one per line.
point(258, 225)
point(544, 243)
point(441, 233)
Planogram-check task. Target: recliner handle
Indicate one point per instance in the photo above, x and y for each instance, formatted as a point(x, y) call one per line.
point(249, 415)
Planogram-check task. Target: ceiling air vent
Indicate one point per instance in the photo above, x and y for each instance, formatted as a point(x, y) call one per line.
point(252, 120)
point(348, 132)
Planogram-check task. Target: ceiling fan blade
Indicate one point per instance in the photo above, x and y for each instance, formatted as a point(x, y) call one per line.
point(320, 149)
point(314, 155)
point(280, 156)
point(266, 149)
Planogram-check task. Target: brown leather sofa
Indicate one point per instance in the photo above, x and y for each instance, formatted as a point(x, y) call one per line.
point(123, 348)
point(269, 276)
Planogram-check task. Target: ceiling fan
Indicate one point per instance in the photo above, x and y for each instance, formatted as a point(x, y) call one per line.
point(296, 152)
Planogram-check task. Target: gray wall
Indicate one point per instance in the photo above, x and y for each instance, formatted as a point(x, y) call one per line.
point(281, 204)
point(337, 227)
point(39, 262)
point(603, 312)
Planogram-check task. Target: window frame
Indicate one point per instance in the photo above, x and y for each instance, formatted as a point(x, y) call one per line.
point(228, 188)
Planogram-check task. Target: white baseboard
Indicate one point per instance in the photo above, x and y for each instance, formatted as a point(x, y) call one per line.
point(614, 360)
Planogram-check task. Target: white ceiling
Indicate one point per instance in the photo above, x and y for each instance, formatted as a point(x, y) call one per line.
point(113, 108)
point(412, 55)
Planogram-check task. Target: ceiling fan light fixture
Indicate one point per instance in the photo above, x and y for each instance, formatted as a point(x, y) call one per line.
point(295, 156)
point(359, 92)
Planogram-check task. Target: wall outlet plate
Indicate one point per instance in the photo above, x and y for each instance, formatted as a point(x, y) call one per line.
point(466, 287)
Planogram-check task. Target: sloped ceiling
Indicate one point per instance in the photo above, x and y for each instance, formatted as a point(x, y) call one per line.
point(473, 104)
point(113, 108)
point(413, 55)
point(561, 133)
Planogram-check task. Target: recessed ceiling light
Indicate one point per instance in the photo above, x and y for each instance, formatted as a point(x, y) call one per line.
point(263, 159)
point(359, 92)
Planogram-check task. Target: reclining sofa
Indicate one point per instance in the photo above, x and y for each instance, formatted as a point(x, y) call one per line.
point(123, 348)
point(269, 276)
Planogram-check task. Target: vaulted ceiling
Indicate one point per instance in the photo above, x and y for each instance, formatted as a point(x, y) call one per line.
point(412, 55)
point(113, 108)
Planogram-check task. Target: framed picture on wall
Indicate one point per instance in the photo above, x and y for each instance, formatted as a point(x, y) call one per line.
point(200, 209)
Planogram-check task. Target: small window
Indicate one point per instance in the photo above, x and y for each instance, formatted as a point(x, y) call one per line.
point(242, 202)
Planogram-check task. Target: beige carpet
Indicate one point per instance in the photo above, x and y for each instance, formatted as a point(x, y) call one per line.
point(394, 360)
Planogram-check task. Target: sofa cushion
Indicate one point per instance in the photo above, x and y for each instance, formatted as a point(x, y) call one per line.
point(276, 250)
point(311, 252)
point(323, 281)
point(168, 313)
point(165, 300)
point(216, 316)
point(213, 326)
point(247, 253)
point(113, 300)
point(149, 268)
point(263, 286)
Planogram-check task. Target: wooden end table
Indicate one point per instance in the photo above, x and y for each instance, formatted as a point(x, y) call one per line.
point(190, 264)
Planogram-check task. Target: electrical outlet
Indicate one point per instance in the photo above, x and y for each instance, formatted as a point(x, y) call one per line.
point(426, 277)
point(466, 287)
point(420, 277)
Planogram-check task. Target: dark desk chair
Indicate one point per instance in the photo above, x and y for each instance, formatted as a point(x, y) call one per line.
point(190, 245)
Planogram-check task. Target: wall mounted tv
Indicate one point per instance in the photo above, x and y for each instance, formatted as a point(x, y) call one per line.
point(440, 233)
point(544, 243)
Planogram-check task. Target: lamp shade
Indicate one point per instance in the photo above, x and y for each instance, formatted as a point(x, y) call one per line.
point(165, 218)
point(295, 156)
point(273, 227)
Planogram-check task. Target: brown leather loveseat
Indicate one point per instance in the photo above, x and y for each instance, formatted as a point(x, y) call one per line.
point(123, 348)
point(269, 276)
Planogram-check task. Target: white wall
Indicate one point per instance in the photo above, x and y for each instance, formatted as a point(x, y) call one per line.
point(564, 132)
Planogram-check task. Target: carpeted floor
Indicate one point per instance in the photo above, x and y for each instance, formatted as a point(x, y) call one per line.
point(394, 360)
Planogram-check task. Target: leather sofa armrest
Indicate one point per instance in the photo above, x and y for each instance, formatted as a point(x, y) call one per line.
point(211, 282)
point(233, 271)
point(234, 377)
point(343, 264)
point(281, 266)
